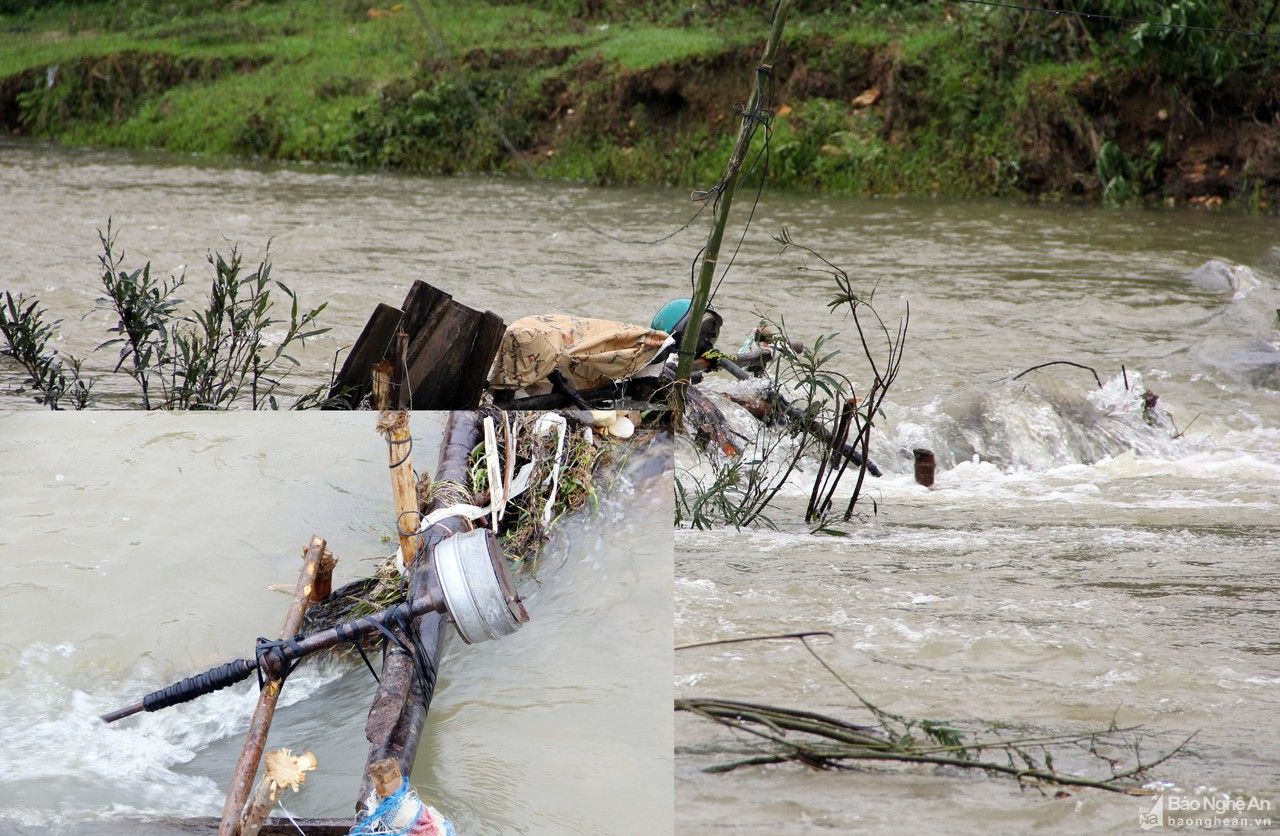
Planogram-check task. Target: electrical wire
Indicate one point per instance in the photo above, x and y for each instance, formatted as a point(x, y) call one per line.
point(764, 117)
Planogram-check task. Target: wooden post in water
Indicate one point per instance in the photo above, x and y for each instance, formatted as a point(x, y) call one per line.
point(399, 708)
point(394, 427)
point(256, 738)
point(925, 466)
point(723, 203)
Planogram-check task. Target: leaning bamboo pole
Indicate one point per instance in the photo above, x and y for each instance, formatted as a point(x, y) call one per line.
point(256, 738)
point(723, 203)
point(400, 708)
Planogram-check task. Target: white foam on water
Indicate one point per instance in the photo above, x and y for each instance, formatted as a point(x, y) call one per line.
point(53, 734)
point(1022, 442)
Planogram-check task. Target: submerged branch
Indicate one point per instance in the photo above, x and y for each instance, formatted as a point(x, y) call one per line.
point(852, 742)
point(773, 637)
point(825, 742)
point(1089, 369)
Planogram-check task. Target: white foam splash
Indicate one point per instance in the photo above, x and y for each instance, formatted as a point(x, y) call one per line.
point(53, 734)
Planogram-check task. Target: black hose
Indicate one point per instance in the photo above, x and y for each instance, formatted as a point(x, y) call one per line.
point(211, 680)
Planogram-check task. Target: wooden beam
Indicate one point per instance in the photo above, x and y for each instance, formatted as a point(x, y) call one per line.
point(473, 378)
point(442, 362)
point(399, 739)
point(369, 348)
point(422, 305)
point(256, 738)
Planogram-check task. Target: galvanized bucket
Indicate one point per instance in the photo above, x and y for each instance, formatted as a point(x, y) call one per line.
point(478, 591)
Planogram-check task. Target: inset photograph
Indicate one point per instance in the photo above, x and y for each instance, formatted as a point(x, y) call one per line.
point(371, 623)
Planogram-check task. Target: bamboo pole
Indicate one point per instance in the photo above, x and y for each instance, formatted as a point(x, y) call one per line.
point(724, 202)
point(400, 705)
point(260, 806)
point(394, 426)
point(256, 738)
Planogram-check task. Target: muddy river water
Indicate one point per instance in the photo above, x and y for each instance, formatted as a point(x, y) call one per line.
point(139, 549)
point(1072, 564)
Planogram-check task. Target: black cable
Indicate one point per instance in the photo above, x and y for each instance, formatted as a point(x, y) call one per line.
point(270, 655)
point(693, 270)
point(763, 116)
point(365, 657)
point(400, 531)
point(413, 648)
point(1223, 30)
point(426, 675)
point(764, 152)
point(407, 453)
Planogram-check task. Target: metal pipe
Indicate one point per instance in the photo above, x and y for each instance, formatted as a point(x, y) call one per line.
point(274, 662)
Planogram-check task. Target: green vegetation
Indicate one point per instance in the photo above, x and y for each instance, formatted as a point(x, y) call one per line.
point(916, 97)
point(218, 355)
point(50, 381)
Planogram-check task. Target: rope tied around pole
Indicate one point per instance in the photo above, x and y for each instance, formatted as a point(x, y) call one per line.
point(270, 656)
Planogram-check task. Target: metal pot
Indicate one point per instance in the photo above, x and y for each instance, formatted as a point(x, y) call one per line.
point(478, 592)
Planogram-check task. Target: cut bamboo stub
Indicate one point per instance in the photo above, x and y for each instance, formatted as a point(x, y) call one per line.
point(925, 466)
point(284, 769)
point(386, 777)
point(256, 738)
point(394, 426)
point(323, 586)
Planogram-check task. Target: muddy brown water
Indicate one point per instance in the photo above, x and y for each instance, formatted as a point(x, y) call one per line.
point(1072, 563)
point(139, 549)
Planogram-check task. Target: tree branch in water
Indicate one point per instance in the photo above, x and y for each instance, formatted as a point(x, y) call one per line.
point(821, 741)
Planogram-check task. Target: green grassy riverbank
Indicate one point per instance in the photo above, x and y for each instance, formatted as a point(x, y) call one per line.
point(923, 97)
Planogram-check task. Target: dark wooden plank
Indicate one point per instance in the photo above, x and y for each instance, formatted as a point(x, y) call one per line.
point(473, 378)
point(450, 349)
point(377, 336)
point(437, 356)
point(421, 306)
